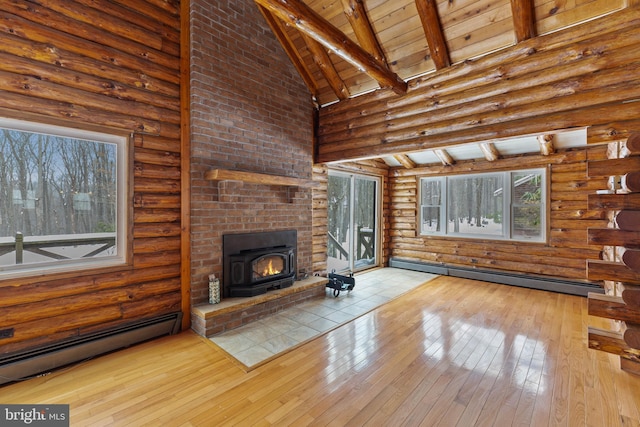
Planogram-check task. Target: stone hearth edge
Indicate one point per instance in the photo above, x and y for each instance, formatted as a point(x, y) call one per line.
point(230, 313)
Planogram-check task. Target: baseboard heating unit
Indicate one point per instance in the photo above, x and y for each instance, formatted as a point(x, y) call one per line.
point(14, 367)
point(523, 280)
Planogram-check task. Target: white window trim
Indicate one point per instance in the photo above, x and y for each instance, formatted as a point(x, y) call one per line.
point(508, 207)
point(122, 142)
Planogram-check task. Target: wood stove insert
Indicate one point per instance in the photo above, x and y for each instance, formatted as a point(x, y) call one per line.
point(254, 263)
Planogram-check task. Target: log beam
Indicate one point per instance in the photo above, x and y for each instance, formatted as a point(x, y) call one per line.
point(546, 144)
point(323, 61)
point(299, 15)
point(631, 258)
point(614, 201)
point(631, 295)
point(524, 22)
point(257, 178)
point(630, 182)
point(611, 307)
point(428, 11)
point(289, 48)
point(632, 335)
point(612, 342)
point(611, 131)
point(489, 151)
point(444, 157)
point(405, 161)
point(357, 16)
point(598, 270)
point(628, 220)
point(633, 143)
point(609, 167)
point(500, 95)
point(613, 237)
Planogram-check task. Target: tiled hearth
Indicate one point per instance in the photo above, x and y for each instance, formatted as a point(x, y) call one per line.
point(258, 342)
point(231, 313)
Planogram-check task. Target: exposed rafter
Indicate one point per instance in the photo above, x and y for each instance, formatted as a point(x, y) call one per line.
point(490, 151)
point(546, 144)
point(291, 51)
point(428, 11)
point(322, 60)
point(524, 23)
point(405, 161)
point(444, 157)
point(296, 13)
point(357, 16)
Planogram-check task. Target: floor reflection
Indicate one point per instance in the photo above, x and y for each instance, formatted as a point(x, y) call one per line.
point(482, 342)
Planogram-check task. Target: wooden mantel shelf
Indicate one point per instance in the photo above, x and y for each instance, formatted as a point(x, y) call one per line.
point(257, 178)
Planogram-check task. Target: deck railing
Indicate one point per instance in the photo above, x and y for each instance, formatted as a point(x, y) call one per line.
point(364, 245)
point(38, 244)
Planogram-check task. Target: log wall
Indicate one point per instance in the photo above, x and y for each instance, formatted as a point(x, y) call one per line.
point(100, 65)
point(564, 254)
point(578, 77)
point(619, 267)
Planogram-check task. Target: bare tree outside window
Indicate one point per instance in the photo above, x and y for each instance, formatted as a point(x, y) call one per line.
point(58, 197)
point(500, 205)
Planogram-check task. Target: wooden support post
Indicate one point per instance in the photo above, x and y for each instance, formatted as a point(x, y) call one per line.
point(19, 247)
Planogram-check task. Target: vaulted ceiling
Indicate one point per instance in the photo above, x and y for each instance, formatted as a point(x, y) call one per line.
point(345, 48)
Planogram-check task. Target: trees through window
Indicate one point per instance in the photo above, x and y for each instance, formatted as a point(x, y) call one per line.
point(500, 205)
point(61, 195)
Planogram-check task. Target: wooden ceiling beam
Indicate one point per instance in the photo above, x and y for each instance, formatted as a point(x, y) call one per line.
point(289, 48)
point(296, 13)
point(428, 11)
point(546, 144)
point(490, 151)
point(328, 70)
point(405, 161)
point(444, 157)
point(524, 20)
point(359, 20)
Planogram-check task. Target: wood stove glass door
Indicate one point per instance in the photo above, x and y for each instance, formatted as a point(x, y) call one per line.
point(353, 202)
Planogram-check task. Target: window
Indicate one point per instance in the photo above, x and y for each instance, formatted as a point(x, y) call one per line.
point(62, 198)
point(497, 205)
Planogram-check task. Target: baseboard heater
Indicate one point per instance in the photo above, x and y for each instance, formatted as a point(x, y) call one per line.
point(23, 365)
point(505, 278)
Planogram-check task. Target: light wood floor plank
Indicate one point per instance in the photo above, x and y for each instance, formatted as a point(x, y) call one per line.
point(452, 352)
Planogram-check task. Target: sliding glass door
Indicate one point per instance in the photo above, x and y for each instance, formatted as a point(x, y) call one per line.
point(352, 238)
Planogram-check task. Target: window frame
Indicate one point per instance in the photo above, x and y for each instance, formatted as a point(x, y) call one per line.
point(508, 206)
point(124, 174)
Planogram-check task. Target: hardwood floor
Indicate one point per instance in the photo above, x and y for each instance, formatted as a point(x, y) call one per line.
point(452, 352)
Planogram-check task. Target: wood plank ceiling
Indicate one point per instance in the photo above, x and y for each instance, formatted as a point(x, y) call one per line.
point(345, 48)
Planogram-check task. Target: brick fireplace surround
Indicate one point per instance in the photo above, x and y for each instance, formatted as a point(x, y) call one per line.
point(250, 111)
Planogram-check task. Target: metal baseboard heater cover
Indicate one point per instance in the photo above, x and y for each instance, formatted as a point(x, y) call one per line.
point(45, 359)
point(523, 280)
